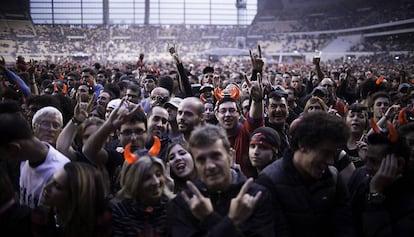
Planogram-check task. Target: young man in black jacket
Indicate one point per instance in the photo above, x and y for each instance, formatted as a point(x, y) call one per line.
point(309, 198)
point(221, 202)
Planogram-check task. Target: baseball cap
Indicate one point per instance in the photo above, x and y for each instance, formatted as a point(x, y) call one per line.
point(175, 102)
point(321, 90)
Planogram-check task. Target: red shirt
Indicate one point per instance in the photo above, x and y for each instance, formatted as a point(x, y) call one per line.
point(240, 142)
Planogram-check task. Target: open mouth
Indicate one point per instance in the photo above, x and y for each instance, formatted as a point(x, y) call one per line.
point(182, 125)
point(355, 125)
point(180, 167)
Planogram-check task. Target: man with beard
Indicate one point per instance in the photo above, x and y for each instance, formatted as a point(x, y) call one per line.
point(157, 126)
point(189, 115)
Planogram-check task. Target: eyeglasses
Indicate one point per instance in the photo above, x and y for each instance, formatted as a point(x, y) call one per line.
point(129, 132)
point(47, 125)
point(230, 110)
point(327, 85)
point(208, 75)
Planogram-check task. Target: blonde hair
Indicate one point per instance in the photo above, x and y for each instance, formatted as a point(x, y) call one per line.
point(132, 177)
point(87, 193)
point(314, 100)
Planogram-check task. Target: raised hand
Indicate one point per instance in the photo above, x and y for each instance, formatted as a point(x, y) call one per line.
point(83, 109)
point(242, 206)
point(199, 205)
point(362, 148)
point(257, 61)
point(32, 67)
point(255, 87)
point(392, 111)
point(173, 52)
point(172, 49)
point(121, 114)
point(386, 174)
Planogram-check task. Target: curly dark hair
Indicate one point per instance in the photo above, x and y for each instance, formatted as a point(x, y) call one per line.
point(318, 127)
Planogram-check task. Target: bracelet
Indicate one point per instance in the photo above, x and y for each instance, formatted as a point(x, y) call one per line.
point(376, 198)
point(75, 121)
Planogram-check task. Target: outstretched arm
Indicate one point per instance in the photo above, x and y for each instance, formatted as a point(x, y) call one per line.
point(256, 86)
point(14, 79)
point(183, 81)
point(68, 134)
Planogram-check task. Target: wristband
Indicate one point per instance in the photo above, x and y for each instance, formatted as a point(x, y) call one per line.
point(376, 198)
point(75, 121)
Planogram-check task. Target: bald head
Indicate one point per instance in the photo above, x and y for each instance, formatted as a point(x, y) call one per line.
point(189, 115)
point(159, 96)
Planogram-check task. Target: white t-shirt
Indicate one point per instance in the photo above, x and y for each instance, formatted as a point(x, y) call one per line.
point(34, 179)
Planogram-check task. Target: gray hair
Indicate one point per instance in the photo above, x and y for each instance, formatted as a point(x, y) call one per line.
point(47, 111)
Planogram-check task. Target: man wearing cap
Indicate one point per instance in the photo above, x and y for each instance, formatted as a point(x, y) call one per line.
point(264, 148)
point(206, 92)
point(321, 92)
point(172, 107)
point(309, 198)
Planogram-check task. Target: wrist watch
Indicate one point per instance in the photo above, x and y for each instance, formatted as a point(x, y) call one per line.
point(376, 198)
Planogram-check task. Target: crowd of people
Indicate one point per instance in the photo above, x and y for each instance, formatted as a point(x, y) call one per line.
point(121, 43)
point(190, 148)
point(336, 15)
